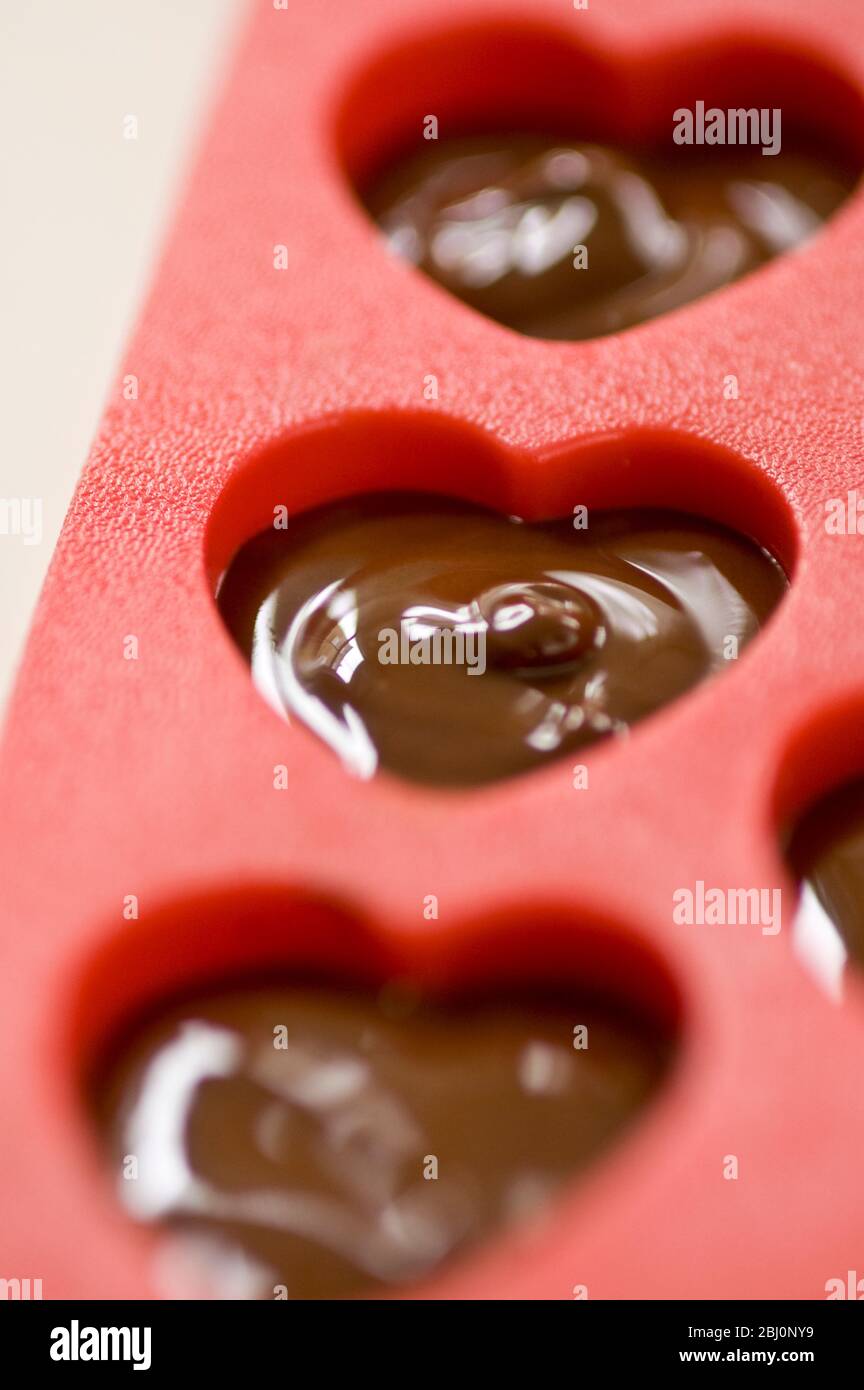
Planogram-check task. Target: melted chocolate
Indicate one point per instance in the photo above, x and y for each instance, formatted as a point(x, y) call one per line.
point(826, 853)
point(496, 220)
point(454, 646)
point(333, 1143)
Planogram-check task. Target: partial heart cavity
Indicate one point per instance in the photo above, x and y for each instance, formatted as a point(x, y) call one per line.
point(826, 854)
point(441, 641)
point(319, 1142)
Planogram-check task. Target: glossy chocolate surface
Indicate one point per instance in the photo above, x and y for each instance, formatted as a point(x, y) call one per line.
point(497, 221)
point(826, 854)
point(454, 646)
point(316, 1143)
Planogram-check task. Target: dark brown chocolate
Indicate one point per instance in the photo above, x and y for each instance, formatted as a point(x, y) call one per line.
point(826, 854)
point(498, 220)
point(318, 1143)
point(454, 646)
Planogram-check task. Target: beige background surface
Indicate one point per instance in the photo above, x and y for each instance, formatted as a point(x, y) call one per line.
point(84, 211)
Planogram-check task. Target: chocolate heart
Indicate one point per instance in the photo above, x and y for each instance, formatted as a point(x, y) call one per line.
point(317, 1143)
point(561, 239)
point(454, 646)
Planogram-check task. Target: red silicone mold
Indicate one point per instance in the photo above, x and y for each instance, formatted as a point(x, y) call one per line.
point(153, 776)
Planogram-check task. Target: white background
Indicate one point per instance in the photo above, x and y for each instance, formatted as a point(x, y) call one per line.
point(83, 213)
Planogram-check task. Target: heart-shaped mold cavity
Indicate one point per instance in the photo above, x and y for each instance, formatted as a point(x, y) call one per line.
point(443, 642)
point(310, 1130)
point(568, 198)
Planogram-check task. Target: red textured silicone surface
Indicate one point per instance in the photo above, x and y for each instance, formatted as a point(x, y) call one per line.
point(259, 386)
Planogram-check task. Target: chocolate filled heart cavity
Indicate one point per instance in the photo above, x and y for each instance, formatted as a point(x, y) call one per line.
point(825, 852)
point(316, 1143)
point(562, 239)
point(453, 646)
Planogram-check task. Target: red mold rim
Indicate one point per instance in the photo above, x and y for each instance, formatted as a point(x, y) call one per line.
point(236, 932)
point(625, 91)
point(377, 451)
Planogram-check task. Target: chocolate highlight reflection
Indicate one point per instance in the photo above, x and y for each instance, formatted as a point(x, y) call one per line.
point(316, 1143)
point(454, 646)
point(497, 221)
point(826, 854)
